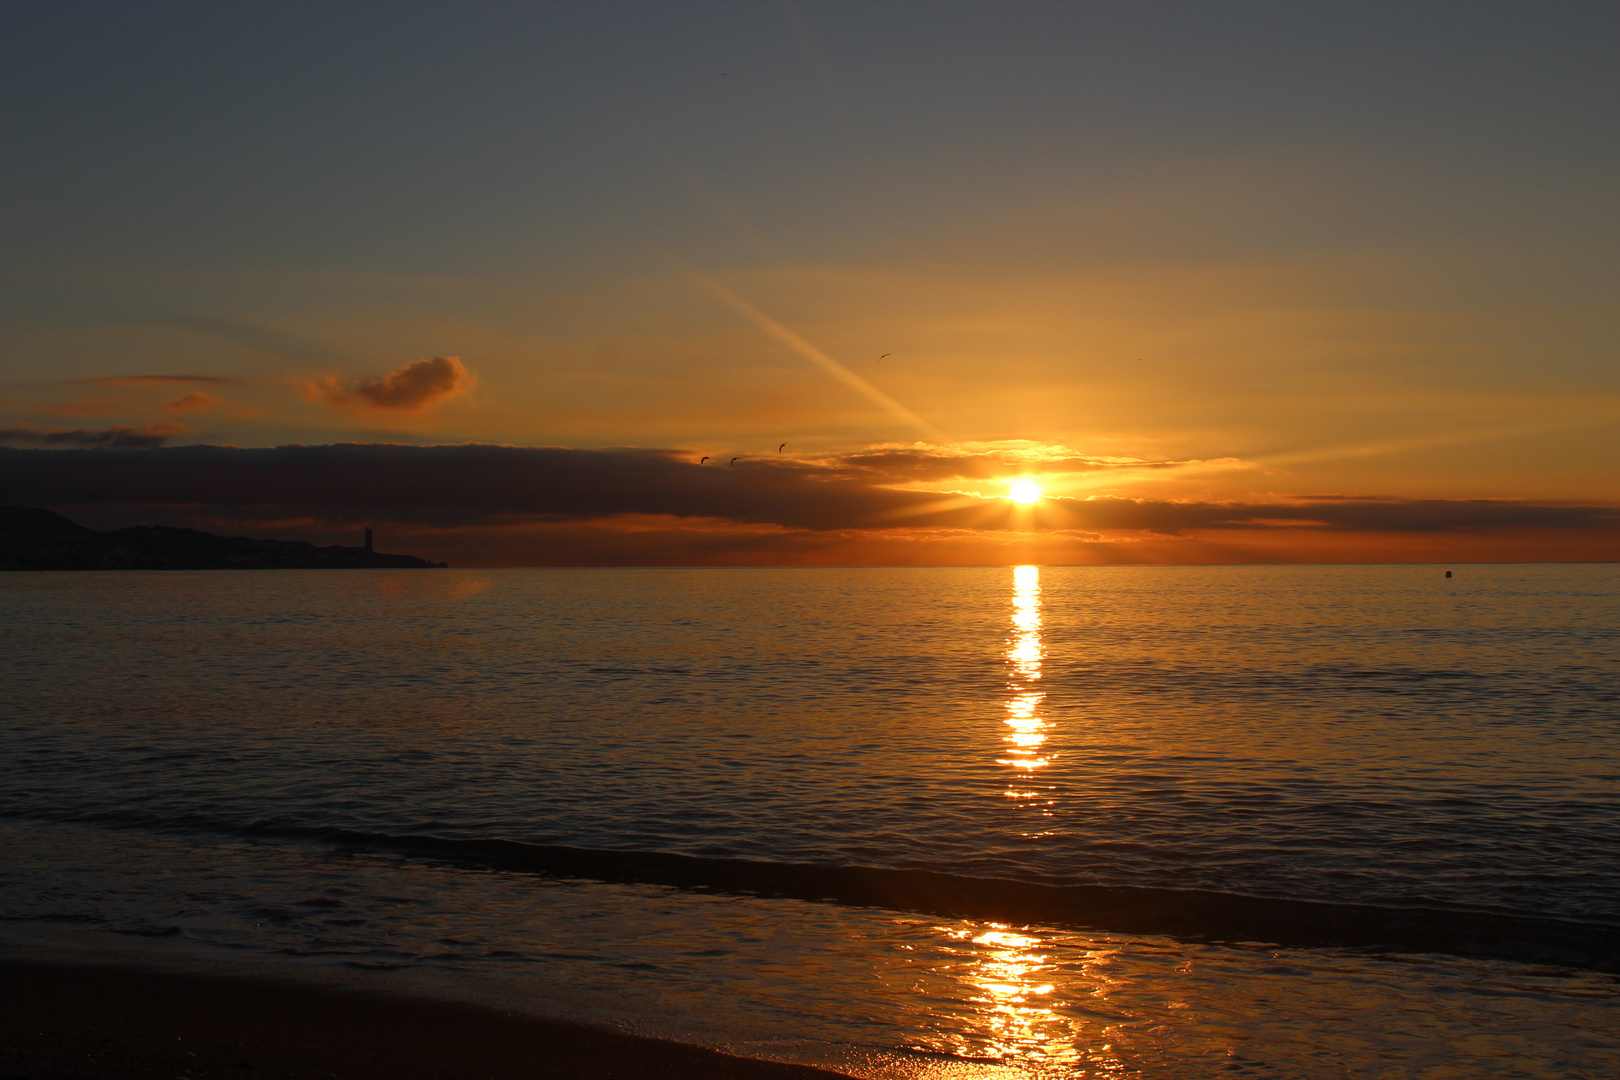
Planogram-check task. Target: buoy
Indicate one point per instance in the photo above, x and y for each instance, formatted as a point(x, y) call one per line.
point(1448, 573)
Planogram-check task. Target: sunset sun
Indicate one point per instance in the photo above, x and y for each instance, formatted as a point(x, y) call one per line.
point(1024, 491)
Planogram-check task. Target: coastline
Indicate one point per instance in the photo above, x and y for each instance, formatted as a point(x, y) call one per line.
point(75, 1017)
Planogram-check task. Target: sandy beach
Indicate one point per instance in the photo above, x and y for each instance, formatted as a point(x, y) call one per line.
point(75, 1021)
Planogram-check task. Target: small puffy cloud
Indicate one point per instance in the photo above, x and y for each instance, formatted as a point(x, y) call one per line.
point(119, 436)
point(192, 401)
point(415, 387)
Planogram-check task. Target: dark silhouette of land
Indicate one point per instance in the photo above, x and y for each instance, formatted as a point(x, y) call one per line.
point(36, 539)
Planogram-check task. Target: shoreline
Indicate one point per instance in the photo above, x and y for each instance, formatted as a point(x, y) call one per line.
point(97, 1020)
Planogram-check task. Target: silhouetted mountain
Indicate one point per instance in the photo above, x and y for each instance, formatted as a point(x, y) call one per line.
point(36, 539)
point(32, 523)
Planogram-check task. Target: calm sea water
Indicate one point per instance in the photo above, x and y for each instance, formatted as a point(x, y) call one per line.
point(1418, 777)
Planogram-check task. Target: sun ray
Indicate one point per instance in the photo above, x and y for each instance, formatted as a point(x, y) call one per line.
point(815, 356)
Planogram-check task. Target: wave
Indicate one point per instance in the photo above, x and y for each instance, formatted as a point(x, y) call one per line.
point(1188, 914)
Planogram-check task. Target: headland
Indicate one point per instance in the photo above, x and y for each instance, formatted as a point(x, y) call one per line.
point(32, 538)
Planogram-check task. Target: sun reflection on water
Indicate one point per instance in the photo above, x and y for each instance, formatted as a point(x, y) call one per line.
point(1025, 653)
point(1016, 1024)
point(1016, 1021)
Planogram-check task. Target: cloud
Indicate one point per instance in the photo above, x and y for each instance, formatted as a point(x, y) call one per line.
point(150, 380)
point(456, 484)
point(413, 388)
point(1346, 514)
point(194, 400)
point(482, 485)
point(91, 406)
point(138, 396)
point(118, 436)
point(924, 462)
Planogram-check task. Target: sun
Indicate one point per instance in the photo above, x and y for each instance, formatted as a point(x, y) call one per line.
point(1024, 491)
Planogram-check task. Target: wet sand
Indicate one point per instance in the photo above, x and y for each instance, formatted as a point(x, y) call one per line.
point(73, 1021)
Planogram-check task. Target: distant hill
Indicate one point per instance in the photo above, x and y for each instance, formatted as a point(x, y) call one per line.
point(36, 539)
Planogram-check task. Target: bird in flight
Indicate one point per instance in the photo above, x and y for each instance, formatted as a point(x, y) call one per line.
point(880, 359)
point(734, 460)
point(702, 459)
point(779, 448)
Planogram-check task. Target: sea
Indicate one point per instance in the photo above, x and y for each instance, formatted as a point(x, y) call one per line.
point(985, 822)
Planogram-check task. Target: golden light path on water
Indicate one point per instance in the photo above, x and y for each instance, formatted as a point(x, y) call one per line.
point(1025, 653)
point(1017, 1025)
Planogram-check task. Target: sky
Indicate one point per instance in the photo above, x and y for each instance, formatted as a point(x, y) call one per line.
point(1234, 282)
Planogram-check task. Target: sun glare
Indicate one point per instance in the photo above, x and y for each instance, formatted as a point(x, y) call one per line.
point(1024, 491)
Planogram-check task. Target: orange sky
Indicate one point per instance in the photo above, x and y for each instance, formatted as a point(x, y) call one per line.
point(1165, 254)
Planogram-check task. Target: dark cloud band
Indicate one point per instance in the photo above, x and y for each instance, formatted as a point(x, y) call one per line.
point(481, 484)
point(119, 435)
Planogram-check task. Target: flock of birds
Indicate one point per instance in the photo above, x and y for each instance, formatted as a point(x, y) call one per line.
point(739, 457)
point(705, 458)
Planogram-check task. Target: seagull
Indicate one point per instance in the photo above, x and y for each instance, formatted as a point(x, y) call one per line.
point(702, 459)
point(880, 359)
point(779, 448)
point(735, 459)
